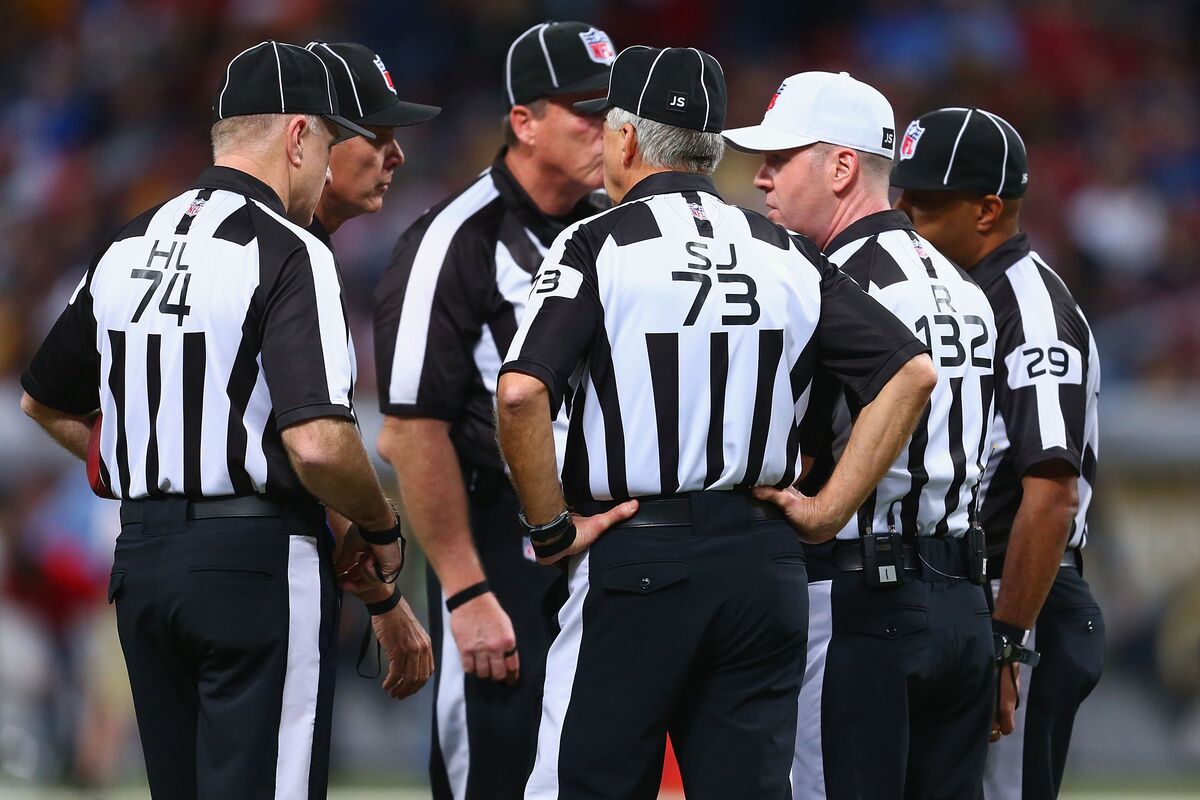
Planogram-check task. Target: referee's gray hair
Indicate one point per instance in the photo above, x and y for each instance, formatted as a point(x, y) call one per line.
point(250, 131)
point(670, 147)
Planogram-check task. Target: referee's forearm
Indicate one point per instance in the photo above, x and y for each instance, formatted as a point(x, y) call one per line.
point(526, 436)
point(69, 430)
point(434, 497)
point(1035, 546)
point(331, 461)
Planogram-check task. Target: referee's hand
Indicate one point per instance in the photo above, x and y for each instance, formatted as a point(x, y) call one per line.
point(486, 641)
point(589, 529)
point(811, 523)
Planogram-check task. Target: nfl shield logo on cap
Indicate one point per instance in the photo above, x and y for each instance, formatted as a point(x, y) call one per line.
point(599, 46)
point(908, 146)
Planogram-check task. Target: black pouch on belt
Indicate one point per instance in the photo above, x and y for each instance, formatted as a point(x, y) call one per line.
point(976, 544)
point(883, 564)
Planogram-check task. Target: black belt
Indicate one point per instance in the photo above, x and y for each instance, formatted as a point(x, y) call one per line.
point(1071, 557)
point(945, 557)
point(676, 509)
point(133, 511)
point(847, 556)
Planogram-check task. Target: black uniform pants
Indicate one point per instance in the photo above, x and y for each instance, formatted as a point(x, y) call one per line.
point(695, 630)
point(1069, 633)
point(485, 732)
point(227, 626)
point(898, 693)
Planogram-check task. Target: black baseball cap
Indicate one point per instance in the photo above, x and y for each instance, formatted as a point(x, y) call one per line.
point(279, 78)
point(364, 85)
point(556, 58)
point(679, 86)
point(962, 149)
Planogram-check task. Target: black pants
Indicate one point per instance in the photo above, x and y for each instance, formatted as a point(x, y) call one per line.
point(227, 626)
point(1029, 763)
point(898, 693)
point(694, 630)
point(485, 732)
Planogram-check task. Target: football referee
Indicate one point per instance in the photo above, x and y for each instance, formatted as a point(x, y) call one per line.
point(963, 172)
point(898, 691)
point(212, 336)
point(683, 333)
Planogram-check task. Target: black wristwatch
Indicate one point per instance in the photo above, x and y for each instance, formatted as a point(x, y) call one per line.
point(1008, 645)
point(552, 538)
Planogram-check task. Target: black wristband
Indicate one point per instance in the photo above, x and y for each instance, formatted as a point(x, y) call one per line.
point(380, 537)
point(1013, 632)
point(384, 606)
point(466, 595)
point(552, 538)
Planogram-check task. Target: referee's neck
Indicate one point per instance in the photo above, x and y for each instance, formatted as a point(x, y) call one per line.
point(275, 177)
point(851, 208)
point(554, 193)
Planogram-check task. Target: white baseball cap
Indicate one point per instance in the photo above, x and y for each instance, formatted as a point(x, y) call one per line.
point(821, 107)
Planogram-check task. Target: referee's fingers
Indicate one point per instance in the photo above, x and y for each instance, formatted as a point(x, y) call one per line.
point(496, 666)
point(483, 667)
point(512, 660)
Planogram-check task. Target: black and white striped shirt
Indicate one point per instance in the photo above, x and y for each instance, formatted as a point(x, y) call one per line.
point(1047, 386)
point(930, 490)
point(684, 334)
point(448, 305)
point(209, 324)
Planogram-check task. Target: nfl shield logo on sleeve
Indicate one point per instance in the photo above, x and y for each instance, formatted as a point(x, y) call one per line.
point(908, 145)
point(599, 46)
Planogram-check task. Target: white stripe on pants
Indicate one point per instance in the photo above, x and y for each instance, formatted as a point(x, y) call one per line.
point(808, 768)
point(561, 664)
point(452, 711)
point(301, 680)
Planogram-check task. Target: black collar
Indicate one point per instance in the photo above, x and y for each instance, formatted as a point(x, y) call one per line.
point(544, 226)
point(997, 262)
point(881, 221)
point(318, 229)
point(671, 183)
point(234, 180)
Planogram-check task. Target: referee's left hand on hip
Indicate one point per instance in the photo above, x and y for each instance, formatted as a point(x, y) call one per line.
point(811, 523)
point(589, 529)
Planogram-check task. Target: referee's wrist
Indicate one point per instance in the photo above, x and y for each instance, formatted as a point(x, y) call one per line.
point(376, 594)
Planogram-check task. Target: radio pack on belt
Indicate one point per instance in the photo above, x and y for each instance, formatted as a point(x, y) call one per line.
point(976, 553)
point(883, 564)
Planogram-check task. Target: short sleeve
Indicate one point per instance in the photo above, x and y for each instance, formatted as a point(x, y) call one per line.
point(562, 316)
point(307, 355)
point(428, 321)
point(1041, 388)
point(65, 371)
point(860, 342)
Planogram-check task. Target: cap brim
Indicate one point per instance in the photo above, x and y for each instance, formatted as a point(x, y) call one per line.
point(349, 129)
point(592, 106)
point(761, 139)
point(593, 83)
point(401, 114)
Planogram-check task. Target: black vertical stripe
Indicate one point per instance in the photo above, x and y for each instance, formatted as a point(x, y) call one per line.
point(116, 386)
point(153, 399)
point(911, 503)
point(718, 378)
point(194, 362)
point(242, 377)
point(987, 386)
point(185, 222)
point(576, 470)
point(801, 373)
point(957, 456)
point(604, 378)
point(699, 215)
point(663, 352)
point(770, 352)
point(929, 270)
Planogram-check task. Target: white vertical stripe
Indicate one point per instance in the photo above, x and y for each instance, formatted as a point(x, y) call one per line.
point(808, 766)
point(1038, 323)
point(137, 405)
point(1004, 158)
point(707, 105)
point(1004, 769)
point(258, 411)
point(412, 333)
point(508, 62)
point(561, 665)
point(546, 53)
point(649, 75)
point(279, 68)
point(954, 151)
point(451, 711)
point(298, 715)
point(228, 68)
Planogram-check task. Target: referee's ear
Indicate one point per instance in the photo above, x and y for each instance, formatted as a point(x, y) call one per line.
point(297, 124)
point(988, 213)
point(630, 147)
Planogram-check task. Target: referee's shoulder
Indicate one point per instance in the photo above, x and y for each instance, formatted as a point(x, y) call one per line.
point(280, 238)
point(452, 221)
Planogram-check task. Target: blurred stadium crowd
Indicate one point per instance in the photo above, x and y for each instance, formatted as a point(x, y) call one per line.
point(106, 112)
